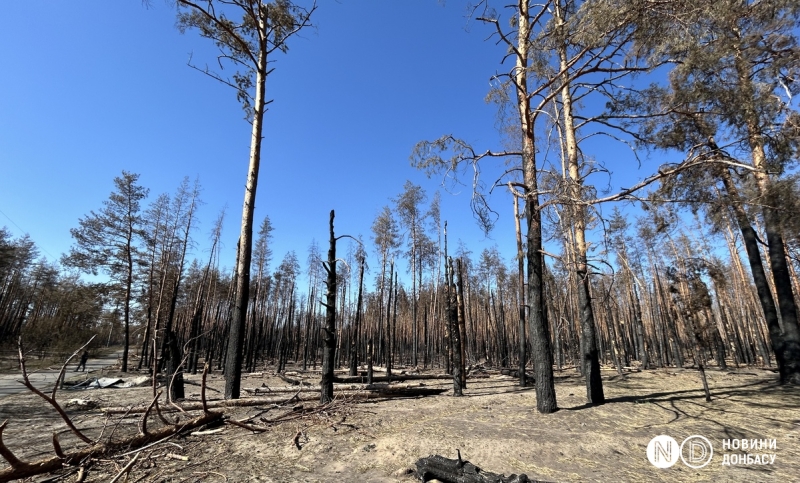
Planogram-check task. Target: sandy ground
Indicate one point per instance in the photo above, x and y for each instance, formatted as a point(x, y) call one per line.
point(495, 426)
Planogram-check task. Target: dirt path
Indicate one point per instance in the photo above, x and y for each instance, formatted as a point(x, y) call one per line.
point(45, 378)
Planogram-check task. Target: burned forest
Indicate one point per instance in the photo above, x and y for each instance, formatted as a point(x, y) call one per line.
point(604, 287)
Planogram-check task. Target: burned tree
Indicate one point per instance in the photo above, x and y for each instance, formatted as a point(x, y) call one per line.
point(329, 338)
point(263, 30)
point(692, 298)
point(326, 384)
point(454, 314)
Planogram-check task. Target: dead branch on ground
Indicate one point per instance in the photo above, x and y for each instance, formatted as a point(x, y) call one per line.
point(22, 469)
point(50, 399)
point(144, 438)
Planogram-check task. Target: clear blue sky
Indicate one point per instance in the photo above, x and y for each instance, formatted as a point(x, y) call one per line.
point(91, 88)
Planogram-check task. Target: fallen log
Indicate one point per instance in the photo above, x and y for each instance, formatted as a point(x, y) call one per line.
point(217, 404)
point(364, 392)
point(344, 387)
point(447, 470)
point(22, 469)
point(401, 378)
point(279, 389)
point(293, 382)
point(404, 390)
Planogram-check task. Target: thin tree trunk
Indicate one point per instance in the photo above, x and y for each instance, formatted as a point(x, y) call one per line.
point(781, 344)
point(540, 336)
point(454, 332)
point(521, 294)
point(356, 329)
point(326, 385)
point(590, 356)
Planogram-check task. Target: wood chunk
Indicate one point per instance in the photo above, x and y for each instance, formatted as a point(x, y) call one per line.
point(449, 470)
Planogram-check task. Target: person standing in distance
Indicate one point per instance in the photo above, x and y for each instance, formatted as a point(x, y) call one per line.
point(82, 363)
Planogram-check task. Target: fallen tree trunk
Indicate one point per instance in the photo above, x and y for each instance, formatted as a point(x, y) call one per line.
point(367, 392)
point(459, 471)
point(401, 378)
point(294, 382)
point(279, 389)
point(21, 469)
point(344, 387)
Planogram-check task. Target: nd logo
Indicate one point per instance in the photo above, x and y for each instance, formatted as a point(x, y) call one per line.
point(695, 451)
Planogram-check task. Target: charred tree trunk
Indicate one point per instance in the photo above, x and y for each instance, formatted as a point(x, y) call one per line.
point(326, 385)
point(461, 329)
point(539, 328)
point(785, 345)
point(392, 296)
point(452, 318)
point(521, 295)
point(356, 328)
point(174, 368)
point(369, 361)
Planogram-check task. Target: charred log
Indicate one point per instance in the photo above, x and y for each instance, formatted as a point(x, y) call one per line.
point(448, 470)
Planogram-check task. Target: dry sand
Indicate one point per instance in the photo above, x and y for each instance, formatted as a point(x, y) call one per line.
point(495, 426)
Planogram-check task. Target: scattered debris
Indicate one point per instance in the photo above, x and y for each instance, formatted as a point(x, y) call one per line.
point(82, 404)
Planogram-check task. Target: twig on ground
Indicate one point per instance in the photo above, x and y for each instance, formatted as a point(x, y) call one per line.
point(143, 422)
point(119, 421)
point(250, 427)
point(177, 457)
point(126, 468)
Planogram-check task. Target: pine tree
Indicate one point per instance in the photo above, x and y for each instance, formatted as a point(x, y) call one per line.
point(249, 45)
point(108, 241)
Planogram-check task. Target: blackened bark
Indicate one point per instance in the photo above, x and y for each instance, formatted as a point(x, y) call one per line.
point(194, 331)
point(790, 371)
point(326, 385)
point(591, 359)
point(637, 315)
point(459, 471)
point(462, 328)
point(392, 296)
point(356, 328)
point(785, 345)
point(393, 328)
point(174, 368)
point(369, 362)
point(448, 339)
point(452, 319)
point(541, 351)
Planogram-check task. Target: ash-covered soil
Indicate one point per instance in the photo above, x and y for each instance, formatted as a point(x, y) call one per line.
point(495, 426)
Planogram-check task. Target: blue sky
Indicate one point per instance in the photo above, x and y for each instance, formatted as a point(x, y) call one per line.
point(91, 88)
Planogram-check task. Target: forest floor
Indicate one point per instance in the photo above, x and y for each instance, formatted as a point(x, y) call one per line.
point(495, 426)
